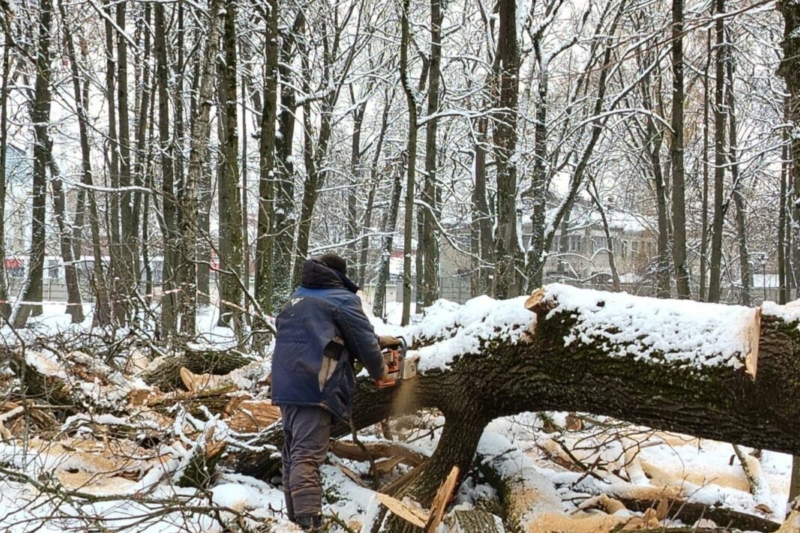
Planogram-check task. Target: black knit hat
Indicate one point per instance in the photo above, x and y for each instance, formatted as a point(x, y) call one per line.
point(335, 262)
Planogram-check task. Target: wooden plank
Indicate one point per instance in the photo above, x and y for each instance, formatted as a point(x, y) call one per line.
point(412, 516)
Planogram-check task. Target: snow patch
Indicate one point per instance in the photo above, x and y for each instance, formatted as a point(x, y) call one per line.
point(675, 331)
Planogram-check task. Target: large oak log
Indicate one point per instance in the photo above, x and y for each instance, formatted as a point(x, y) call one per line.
point(720, 372)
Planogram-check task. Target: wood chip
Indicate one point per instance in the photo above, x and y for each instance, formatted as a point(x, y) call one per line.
point(387, 465)
point(440, 501)
point(412, 516)
point(355, 478)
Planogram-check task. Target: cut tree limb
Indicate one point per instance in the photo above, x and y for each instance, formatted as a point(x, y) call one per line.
point(672, 365)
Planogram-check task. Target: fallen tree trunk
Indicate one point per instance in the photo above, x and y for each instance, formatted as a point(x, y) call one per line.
point(720, 372)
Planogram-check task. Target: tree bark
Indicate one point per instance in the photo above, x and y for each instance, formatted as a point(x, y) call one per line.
point(482, 217)
point(783, 208)
point(429, 244)
point(265, 238)
point(230, 201)
point(283, 227)
point(145, 114)
point(169, 301)
point(676, 157)
point(5, 307)
point(537, 254)
point(190, 205)
point(375, 178)
point(653, 141)
point(112, 210)
point(388, 230)
point(505, 141)
point(354, 182)
point(720, 120)
point(704, 199)
point(40, 116)
point(74, 303)
point(126, 274)
point(745, 268)
point(411, 159)
point(102, 310)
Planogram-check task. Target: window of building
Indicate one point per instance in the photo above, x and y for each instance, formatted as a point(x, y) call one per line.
point(575, 242)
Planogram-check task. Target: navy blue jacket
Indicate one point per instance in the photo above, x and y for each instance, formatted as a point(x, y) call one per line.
point(321, 329)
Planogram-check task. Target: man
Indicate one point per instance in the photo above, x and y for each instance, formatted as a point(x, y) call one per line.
point(320, 331)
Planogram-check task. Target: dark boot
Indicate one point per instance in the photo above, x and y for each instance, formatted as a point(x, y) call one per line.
point(311, 523)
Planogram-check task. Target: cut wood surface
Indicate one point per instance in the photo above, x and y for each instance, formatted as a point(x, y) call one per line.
point(252, 416)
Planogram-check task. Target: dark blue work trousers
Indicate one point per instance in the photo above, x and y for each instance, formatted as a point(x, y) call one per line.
point(306, 432)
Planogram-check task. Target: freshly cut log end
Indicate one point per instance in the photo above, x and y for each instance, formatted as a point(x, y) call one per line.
point(252, 416)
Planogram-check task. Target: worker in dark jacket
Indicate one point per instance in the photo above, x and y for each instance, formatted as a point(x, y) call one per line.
point(321, 330)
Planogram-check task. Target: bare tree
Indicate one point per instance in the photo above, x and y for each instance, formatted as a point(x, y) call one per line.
point(40, 117)
point(720, 120)
point(505, 145)
point(5, 307)
point(677, 157)
point(230, 201)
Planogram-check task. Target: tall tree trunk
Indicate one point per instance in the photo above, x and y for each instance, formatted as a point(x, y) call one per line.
point(704, 199)
point(481, 218)
point(388, 230)
point(190, 205)
point(677, 157)
point(612, 265)
point(351, 221)
point(720, 119)
point(738, 198)
point(314, 155)
point(283, 226)
point(169, 301)
point(40, 117)
point(537, 255)
point(505, 140)
point(102, 311)
point(128, 232)
point(783, 273)
point(429, 244)
point(205, 195)
point(411, 157)
point(112, 211)
point(375, 177)
point(141, 134)
point(653, 141)
point(245, 190)
point(267, 169)
point(74, 303)
point(5, 307)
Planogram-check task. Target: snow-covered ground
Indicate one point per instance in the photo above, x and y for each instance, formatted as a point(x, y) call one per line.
point(85, 480)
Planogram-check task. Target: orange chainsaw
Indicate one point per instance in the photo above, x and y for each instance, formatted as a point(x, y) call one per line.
point(398, 366)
